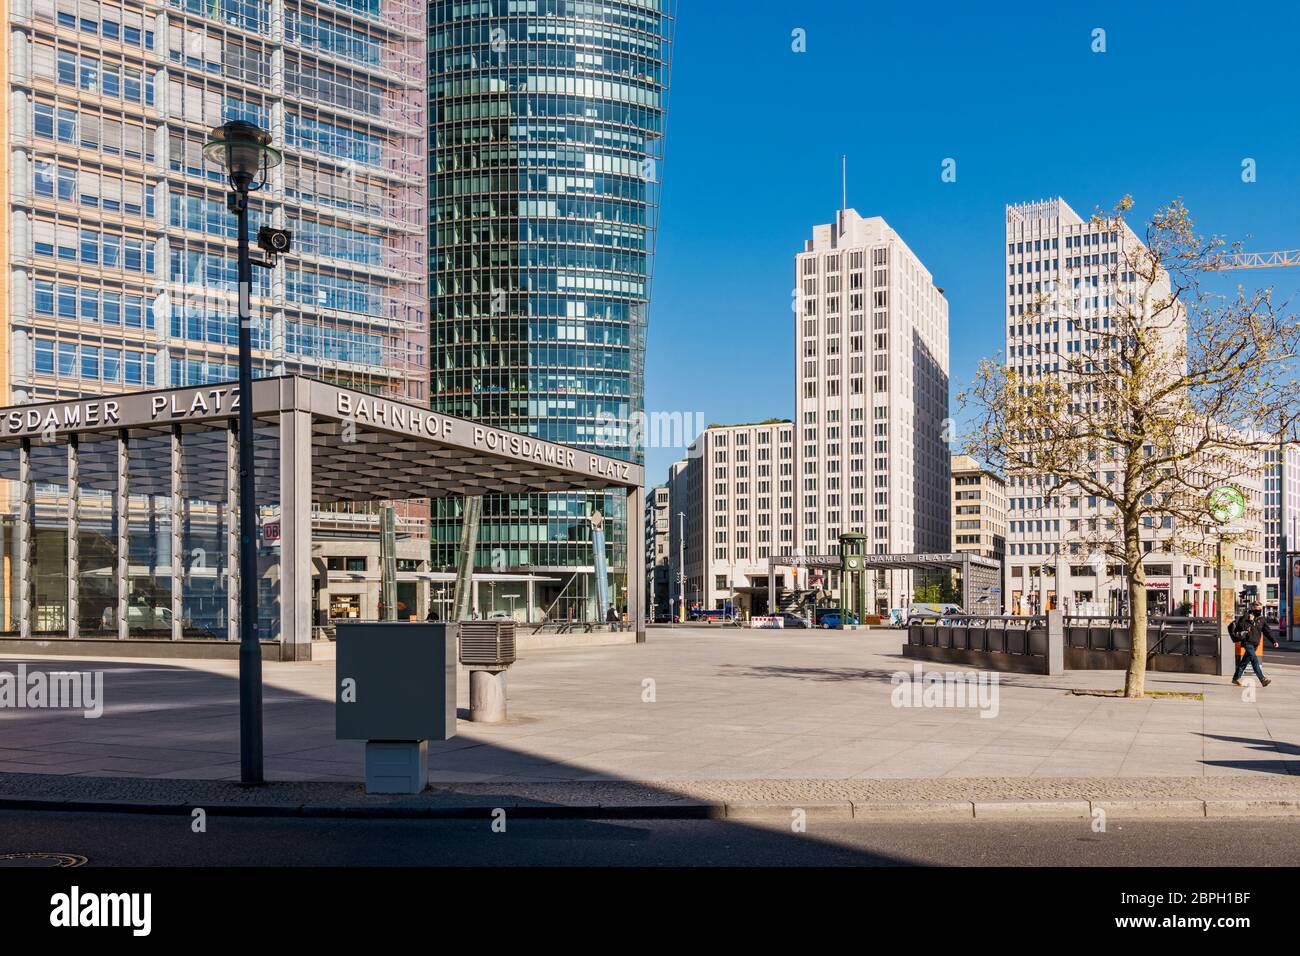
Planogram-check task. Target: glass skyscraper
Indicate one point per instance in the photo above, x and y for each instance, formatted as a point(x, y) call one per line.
point(546, 125)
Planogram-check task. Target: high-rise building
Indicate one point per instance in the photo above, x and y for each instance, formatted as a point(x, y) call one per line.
point(1281, 513)
point(119, 271)
point(656, 548)
point(979, 509)
point(678, 502)
point(546, 132)
point(1052, 560)
point(871, 374)
point(741, 490)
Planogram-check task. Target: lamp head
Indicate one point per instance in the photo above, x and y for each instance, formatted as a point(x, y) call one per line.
point(244, 151)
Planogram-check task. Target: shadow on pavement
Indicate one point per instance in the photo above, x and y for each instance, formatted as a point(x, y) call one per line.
point(171, 730)
point(1278, 748)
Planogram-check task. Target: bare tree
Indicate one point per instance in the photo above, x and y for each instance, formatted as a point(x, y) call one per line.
point(1165, 390)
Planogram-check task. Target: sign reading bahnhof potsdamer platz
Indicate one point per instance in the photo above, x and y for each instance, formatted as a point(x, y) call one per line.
point(120, 512)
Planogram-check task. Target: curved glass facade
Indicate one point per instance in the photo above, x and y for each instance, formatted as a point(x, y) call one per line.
point(546, 126)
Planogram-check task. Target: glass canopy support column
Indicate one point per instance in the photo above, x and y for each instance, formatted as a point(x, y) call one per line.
point(74, 538)
point(232, 534)
point(177, 571)
point(122, 567)
point(26, 515)
point(295, 536)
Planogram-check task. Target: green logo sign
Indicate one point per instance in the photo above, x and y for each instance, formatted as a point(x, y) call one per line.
point(1227, 504)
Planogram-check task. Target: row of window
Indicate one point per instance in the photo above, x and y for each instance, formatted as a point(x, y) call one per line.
point(91, 247)
point(92, 131)
point(88, 304)
point(94, 363)
point(92, 75)
point(111, 23)
point(92, 189)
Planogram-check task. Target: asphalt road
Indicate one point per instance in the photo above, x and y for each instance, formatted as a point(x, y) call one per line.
point(156, 840)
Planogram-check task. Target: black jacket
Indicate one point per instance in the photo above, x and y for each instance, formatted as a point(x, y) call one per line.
point(1252, 631)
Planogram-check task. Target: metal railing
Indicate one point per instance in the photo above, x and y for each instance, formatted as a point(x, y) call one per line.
point(1017, 635)
point(1190, 636)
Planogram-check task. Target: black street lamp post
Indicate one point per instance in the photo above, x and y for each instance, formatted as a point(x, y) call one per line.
point(244, 151)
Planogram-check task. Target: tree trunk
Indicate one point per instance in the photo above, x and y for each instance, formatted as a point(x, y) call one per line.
point(1135, 679)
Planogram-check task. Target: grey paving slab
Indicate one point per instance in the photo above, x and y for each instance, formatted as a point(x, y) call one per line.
point(730, 706)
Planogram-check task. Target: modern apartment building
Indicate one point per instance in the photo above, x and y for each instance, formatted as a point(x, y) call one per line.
point(1053, 254)
point(678, 501)
point(741, 510)
point(546, 132)
point(871, 373)
point(979, 509)
point(119, 271)
point(1281, 512)
point(656, 548)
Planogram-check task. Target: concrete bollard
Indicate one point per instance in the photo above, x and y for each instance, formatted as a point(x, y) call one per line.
point(487, 696)
point(1055, 642)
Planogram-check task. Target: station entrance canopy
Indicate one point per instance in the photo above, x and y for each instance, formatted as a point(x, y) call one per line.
point(981, 577)
point(121, 511)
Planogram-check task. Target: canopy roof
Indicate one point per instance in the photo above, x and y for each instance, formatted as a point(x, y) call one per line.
point(363, 446)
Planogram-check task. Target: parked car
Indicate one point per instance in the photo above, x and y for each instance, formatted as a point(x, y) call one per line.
point(834, 617)
point(793, 620)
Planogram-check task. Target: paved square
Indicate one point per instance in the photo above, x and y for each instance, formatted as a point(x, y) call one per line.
point(691, 704)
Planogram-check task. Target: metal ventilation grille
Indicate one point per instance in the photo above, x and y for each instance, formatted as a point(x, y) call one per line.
point(487, 642)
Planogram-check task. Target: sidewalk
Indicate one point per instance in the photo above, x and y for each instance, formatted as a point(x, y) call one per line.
point(706, 718)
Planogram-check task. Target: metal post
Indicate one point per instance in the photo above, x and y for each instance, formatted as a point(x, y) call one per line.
point(232, 535)
point(681, 567)
point(26, 531)
point(295, 535)
point(250, 650)
point(177, 540)
point(74, 539)
point(121, 515)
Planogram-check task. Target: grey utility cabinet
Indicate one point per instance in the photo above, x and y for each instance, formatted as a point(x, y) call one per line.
point(395, 688)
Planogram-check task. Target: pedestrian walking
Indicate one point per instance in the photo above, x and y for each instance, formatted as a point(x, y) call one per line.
point(1249, 633)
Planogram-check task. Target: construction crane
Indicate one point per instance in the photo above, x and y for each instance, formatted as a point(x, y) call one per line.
point(1258, 260)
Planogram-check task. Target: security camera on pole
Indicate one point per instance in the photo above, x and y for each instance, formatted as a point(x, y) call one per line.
point(244, 151)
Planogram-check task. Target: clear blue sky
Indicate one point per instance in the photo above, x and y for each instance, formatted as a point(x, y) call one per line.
point(1012, 92)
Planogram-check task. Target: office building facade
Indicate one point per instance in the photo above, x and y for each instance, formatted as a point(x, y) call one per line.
point(979, 509)
point(1281, 513)
point(871, 380)
point(740, 511)
point(656, 550)
point(546, 141)
point(120, 266)
point(1053, 255)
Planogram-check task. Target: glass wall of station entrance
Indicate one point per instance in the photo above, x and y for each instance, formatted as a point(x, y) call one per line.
point(132, 533)
point(118, 514)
